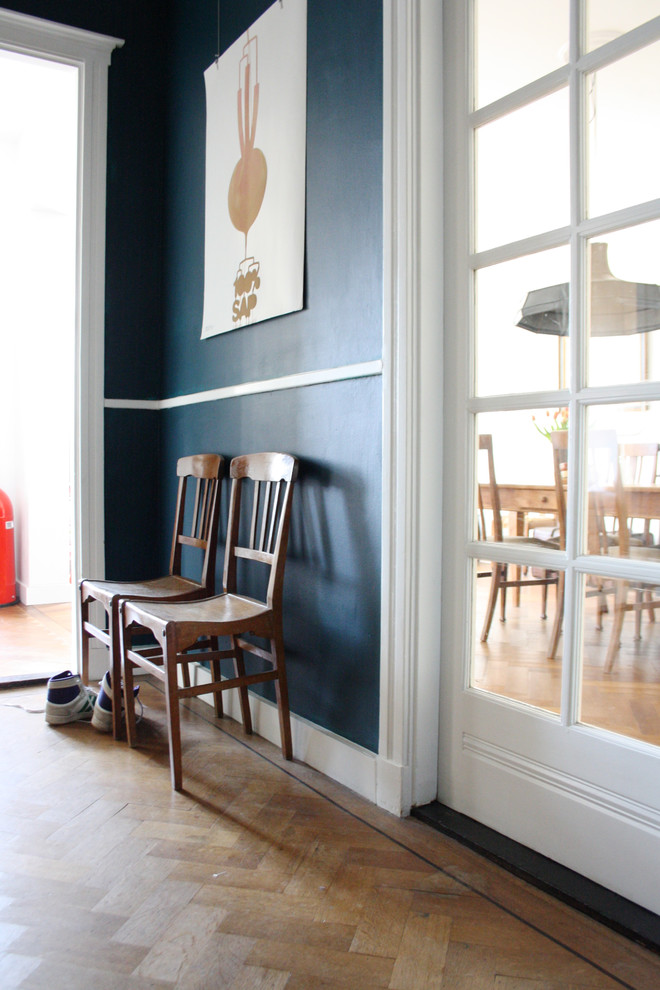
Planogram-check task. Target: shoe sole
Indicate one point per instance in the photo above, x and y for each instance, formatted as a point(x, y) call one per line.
point(62, 717)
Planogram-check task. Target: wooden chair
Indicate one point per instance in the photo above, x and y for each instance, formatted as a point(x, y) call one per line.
point(262, 484)
point(499, 574)
point(640, 464)
point(646, 597)
point(196, 526)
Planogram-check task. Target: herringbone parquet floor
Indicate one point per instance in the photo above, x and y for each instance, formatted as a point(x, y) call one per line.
point(261, 875)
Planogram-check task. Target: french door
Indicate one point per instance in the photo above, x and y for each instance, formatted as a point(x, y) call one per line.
point(550, 706)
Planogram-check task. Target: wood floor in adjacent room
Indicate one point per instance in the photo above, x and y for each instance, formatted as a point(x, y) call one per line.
point(261, 875)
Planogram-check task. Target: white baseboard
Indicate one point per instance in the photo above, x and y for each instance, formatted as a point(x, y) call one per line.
point(98, 660)
point(43, 594)
point(341, 760)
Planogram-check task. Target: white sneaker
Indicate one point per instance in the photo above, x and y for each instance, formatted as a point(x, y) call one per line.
point(68, 699)
point(102, 717)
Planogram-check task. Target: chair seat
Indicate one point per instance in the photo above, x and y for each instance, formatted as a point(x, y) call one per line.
point(637, 552)
point(218, 615)
point(533, 541)
point(165, 587)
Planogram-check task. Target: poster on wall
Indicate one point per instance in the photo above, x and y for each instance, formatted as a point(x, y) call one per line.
point(256, 105)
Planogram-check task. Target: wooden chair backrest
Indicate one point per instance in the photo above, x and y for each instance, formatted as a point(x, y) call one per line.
point(262, 483)
point(639, 463)
point(559, 440)
point(199, 481)
point(600, 538)
point(486, 443)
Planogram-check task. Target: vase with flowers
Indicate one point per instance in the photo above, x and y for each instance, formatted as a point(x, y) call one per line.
point(552, 423)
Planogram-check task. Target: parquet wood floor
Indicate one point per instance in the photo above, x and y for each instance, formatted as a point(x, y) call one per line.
point(35, 640)
point(514, 664)
point(261, 875)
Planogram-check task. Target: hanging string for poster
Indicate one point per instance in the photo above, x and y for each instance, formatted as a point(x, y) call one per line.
point(217, 54)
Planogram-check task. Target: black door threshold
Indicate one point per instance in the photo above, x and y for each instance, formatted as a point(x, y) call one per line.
point(23, 680)
point(618, 913)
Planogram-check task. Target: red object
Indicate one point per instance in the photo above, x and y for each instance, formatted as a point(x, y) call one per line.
point(7, 570)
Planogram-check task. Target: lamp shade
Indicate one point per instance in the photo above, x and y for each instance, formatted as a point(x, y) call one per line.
point(617, 307)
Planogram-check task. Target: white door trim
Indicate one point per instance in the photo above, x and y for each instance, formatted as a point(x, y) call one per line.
point(91, 53)
point(412, 402)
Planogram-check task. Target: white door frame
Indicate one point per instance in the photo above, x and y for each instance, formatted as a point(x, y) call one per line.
point(412, 403)
point(91, 54)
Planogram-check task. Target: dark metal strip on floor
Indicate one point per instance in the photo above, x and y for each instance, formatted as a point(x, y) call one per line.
point(616, 912)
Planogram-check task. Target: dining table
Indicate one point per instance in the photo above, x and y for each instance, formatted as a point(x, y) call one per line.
point(642, 501)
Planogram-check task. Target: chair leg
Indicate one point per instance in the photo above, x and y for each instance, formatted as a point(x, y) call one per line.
point(544, 599)
point(173, 716)
point(84, 638)
point(129, 699)
point(282, 695)
point(215, 667)
point(559, 617)
point(503, 580)
point(617, 625)
point(492, 600)
point(115, 667)
point(639, 598)
point(239, 669)
point(603, 608)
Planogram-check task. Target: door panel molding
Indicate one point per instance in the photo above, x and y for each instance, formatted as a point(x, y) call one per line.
point(575, 787)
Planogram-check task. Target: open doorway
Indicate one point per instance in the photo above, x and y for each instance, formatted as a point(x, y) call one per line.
point(38, 224)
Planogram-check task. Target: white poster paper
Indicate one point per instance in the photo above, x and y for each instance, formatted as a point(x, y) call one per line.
point(256, 104)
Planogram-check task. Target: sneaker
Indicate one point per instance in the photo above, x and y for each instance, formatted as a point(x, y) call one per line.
point(68, 699)
point(102, 717)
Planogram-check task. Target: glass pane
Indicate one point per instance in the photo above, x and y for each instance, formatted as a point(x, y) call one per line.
point(517, 42)
point(520, 476)
point(532, 291)
point(522, 172)
point(513, 660)
point(624, 306)
point(624, 133)
point(621, 658)
point(607, 19)
point(623, 481)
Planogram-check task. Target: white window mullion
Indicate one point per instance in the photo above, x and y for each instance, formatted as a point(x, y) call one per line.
point(570, 694)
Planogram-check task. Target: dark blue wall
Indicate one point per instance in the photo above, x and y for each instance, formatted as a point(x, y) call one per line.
point(341, 322)
point(154, 298)
point(332, 598)
point(332, 582)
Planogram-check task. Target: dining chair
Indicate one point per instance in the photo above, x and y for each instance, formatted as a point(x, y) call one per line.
point(646, 596)
point(499, 573)
point(257, 535)
point(195, 527)
point(640, 464)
